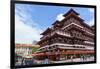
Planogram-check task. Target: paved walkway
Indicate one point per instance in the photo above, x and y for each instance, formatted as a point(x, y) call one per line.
point(75, 60)
point(64, 61)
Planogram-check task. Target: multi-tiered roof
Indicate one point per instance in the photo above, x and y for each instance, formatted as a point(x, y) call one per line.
point(70, 37)
point(63, 28)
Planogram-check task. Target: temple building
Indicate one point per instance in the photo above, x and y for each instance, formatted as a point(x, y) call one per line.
point(69, 38)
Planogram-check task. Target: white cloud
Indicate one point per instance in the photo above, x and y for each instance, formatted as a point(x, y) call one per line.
point(26, 30)
point(91, 10)
point(91, 21)
point(25, 33)
point(60, 17)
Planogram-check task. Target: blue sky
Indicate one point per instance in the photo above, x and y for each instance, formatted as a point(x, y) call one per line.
point(31, 20)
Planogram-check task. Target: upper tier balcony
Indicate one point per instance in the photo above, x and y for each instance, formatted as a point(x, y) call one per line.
point(59, 32)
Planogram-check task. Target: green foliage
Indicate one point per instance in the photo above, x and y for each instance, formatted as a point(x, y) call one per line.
point(34, 49)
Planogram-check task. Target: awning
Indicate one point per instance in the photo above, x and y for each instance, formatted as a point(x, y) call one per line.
point(78, 52)
point(39, 54)
point(66, 53)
